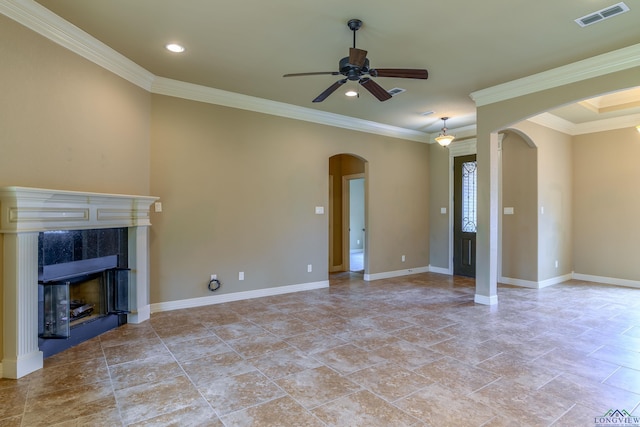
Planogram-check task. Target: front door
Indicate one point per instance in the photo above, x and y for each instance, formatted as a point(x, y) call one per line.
point(464, 215)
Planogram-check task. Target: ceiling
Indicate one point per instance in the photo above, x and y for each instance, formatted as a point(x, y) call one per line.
point(246, 46)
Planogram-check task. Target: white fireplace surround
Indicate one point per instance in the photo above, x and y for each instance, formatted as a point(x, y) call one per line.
point(24, 212)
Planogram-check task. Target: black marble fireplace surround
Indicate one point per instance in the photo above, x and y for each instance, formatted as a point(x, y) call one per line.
point(83, 285)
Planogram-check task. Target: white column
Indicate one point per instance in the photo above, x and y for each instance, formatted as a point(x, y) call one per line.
point(21, 355)
point(487, 236)
point(139, 265)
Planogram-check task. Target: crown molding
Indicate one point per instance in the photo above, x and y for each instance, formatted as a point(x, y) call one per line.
point(561, 125)
point(179, 89)
point(46, 23)
point(630, 121)
point(554, 122)
point(610, 62)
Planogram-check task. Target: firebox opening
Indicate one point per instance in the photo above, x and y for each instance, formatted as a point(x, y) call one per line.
point(83, 286)
point(84, 301)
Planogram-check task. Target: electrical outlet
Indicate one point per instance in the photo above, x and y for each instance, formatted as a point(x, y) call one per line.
point(556, 263)
point(241, 275)
point(402, 258)
point(309, 268)
point(214, 276)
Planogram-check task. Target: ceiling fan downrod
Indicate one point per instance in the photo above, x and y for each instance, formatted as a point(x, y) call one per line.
point(354, 25)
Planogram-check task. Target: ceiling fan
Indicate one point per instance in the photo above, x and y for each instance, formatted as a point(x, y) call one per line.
point(356, 67)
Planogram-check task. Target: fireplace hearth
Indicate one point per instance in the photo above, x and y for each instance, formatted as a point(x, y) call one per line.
point(26, 213)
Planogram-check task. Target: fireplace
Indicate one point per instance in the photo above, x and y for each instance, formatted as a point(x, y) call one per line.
point(28, 213)
point(83, 285)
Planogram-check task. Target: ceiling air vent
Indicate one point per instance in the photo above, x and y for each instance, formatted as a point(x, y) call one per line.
point(395, 91)
point(602, 14)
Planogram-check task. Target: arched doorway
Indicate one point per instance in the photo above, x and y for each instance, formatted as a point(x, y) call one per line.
point(347, 213)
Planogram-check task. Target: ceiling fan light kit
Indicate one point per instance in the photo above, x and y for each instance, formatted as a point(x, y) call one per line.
point(355, 67)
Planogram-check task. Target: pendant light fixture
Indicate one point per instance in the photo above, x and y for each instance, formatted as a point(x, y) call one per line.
point(444, 139)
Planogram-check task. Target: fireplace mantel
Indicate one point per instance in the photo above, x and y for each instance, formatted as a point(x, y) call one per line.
point(36, 209)
point(25, 212)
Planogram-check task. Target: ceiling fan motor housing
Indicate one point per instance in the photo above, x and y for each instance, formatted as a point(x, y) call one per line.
point(350, 71)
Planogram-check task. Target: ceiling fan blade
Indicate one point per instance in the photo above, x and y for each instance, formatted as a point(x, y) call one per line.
point(329, 90)
point(357, 57)
point(315, 73)
point(375, 89)
point(405, 73)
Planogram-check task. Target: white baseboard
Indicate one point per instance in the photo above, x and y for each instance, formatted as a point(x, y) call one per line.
point(22, 365)
point(535, 285)
point(518, 282)
point(397, 273)
point(141, 315)
point(555, 280)
point(577, 276)
point(236, 296)
point(440, 270)
point(607, 280)
point(484, 300)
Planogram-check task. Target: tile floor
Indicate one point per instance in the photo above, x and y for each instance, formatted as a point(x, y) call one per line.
point(409, 351)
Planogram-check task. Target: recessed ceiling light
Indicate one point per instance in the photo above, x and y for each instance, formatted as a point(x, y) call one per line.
point(174, 47)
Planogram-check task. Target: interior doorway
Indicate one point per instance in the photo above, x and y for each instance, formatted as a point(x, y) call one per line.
point(347, 214)
point(354, 238)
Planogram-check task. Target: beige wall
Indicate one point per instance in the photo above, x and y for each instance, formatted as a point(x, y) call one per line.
point(67, 123)
point(239, 190)
point(607, 202)
point(439, 198)
point(520, 192)
point(552, 212)
point(555, 195)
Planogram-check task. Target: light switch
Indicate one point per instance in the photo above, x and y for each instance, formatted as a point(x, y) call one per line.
point(319, 210)
point(443, 210)
point(508, 211)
